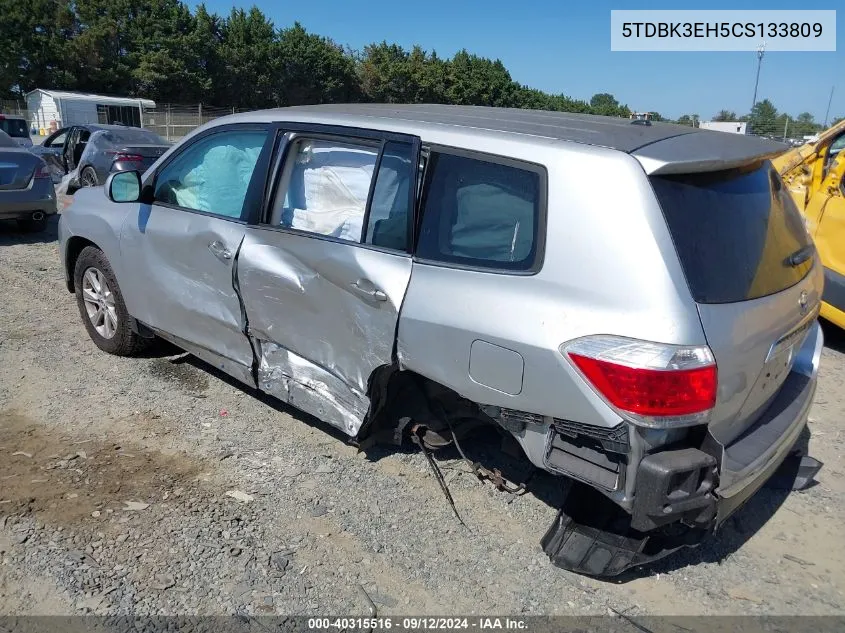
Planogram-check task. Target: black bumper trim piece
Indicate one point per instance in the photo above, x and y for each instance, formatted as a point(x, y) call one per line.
point(834, 289)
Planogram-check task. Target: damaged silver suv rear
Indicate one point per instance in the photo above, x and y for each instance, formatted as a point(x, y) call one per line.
point(634, 304)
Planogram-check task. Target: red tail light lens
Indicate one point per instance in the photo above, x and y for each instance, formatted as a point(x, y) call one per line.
point(654, 384)
point(131, 158)
point(42, 172)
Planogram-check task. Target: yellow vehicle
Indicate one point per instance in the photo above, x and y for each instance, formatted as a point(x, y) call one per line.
point(814, 174)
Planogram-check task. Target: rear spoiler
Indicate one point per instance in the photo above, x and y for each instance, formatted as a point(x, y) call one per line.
point(704, 150)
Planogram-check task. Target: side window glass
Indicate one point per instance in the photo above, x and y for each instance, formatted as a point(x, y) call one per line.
point(390, 210)
point(58, 140)
point(835, 153)
point(324, 187)
point(212, 174)
point(479, 213)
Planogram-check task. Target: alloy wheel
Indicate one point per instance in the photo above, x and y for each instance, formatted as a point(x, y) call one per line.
point(99, 302)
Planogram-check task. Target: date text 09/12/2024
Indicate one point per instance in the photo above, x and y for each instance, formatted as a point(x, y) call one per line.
point(416, 623)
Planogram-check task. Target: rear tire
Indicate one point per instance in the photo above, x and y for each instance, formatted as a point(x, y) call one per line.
point(33, 226)
point(101, 305)
point(88, 178)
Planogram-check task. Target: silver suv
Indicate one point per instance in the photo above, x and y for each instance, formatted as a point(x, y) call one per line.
point(635, 304)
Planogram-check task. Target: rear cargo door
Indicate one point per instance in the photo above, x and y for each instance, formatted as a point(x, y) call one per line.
point(753, 272)
point(17, 168)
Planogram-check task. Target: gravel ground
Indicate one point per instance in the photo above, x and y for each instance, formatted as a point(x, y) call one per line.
point(158, 486)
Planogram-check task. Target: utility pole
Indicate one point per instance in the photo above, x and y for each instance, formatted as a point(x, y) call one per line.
point(785, 128)
point(829, 101)
point(761, 50)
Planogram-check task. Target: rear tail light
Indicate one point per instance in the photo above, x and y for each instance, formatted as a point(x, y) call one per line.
point(42, 172)
point(652, 384)
point(131, 158)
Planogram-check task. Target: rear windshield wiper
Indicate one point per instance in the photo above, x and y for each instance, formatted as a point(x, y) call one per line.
point(801, 255)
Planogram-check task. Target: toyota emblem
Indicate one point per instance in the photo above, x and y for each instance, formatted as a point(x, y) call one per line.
point(802, 302)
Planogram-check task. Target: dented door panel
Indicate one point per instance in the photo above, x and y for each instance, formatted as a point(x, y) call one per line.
point(175, 284)
point(317, 319)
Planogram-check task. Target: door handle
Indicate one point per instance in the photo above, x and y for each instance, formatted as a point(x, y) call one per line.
point(361, 287)
point(219, 250)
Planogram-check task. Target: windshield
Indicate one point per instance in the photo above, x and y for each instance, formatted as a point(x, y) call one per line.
point(14, 127)
point(734, 231)
point(133, 136)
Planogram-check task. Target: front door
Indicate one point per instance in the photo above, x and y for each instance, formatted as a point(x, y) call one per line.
point(181, 248)
point(826, 215)
point(323, 274)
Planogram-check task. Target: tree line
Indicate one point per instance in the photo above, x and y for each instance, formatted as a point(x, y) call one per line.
point(765, 119)
point(162, 50)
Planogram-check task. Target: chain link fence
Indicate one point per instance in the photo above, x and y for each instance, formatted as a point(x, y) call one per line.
point(17, 108)
point(173, 121)
point(169, 120)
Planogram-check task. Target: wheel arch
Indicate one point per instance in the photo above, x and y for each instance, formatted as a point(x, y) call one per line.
point(75, 245)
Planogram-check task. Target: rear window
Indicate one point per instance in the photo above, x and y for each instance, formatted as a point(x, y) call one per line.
point(134, 135)
point(734, 231)
point(14, 127)
point(480, 213)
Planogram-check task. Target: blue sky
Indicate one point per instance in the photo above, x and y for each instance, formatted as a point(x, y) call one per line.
point(563, 46)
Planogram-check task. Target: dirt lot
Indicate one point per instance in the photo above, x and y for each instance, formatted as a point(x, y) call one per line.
point(114, 476)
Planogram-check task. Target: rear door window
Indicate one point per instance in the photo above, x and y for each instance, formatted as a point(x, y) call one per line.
point(480, 213)
point(325, 185)
point(735, 232)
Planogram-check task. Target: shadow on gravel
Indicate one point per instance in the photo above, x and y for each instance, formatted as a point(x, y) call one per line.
point(270, 401)
point(486, 446)
point(834, 336)
point(10, 233)
point(496, 451)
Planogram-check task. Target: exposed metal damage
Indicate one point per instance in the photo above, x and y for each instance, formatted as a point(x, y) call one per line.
point(294, 380)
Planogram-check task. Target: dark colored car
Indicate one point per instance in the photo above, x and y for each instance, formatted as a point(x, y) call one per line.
point(26, 189)
point(15, 126)
point(96, 150)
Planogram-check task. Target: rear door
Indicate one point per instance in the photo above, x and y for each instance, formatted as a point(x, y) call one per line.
point(180, 250)
point(52, 151)
point(323, 273)
point(753, 272)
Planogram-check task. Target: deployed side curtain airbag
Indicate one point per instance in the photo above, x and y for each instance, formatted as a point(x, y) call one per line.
point(218, 183)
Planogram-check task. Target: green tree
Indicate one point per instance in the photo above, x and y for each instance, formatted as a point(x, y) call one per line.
point(805, 125)
point(606, 104)
point(390, 74)
point(474, 80)
point(312, 69)
point(34, 46)
point(763, 119)
point(165, 58)
point(246, 56)
point(725, 115)
point(104, 43)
